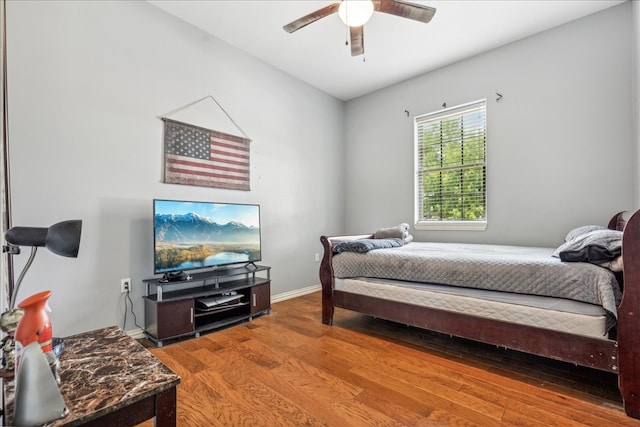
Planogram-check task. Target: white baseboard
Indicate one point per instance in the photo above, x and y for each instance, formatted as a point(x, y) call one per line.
point(297, 293)
point(138, 333)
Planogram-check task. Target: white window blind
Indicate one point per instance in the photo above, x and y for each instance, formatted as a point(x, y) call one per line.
point(451, 167)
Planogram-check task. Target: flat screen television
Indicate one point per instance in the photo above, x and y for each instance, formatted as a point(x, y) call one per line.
point(193, 235)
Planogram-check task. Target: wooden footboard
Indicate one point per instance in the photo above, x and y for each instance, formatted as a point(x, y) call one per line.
point(621, 356)
point(326, 273)
point(629, 319)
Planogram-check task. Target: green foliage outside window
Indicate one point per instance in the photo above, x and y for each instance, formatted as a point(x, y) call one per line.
point(453, 167)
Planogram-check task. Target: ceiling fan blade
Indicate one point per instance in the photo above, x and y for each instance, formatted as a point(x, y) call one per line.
point(356, 35)
point(404, 9)
point(310, 18)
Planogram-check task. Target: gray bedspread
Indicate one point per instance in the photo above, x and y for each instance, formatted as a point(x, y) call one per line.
point(527, 270)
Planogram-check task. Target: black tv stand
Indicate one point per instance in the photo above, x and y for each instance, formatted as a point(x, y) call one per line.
point(171, 310)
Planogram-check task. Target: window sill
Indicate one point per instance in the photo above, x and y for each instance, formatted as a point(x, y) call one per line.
point(451, 225)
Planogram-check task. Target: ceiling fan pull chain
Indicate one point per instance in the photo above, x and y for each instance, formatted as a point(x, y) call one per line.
point(346, 27)
point(346, 13)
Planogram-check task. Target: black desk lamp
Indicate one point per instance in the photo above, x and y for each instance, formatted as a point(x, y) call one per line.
point(62, 239)
point(37, 399)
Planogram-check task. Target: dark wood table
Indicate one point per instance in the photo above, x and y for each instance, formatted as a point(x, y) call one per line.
point(109, 379)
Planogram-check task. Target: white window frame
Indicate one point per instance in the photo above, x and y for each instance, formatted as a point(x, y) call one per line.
point(420, 223)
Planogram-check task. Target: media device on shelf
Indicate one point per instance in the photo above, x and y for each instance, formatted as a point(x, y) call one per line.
point(192, 235)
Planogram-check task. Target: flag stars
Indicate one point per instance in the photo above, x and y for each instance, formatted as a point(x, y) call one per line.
point(188, 142)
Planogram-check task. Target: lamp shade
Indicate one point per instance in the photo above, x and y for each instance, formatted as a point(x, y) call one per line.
point(62, 238)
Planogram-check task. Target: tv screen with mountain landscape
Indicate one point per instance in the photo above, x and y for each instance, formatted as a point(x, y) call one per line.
point(192, 235)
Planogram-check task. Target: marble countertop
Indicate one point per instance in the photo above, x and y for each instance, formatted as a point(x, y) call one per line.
point(103, 371)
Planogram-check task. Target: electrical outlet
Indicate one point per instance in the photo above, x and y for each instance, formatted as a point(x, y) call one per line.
point(317, 257)
point(125, 285)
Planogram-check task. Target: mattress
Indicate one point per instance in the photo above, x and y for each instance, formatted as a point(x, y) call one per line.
point(509, 269)
point(557, 314)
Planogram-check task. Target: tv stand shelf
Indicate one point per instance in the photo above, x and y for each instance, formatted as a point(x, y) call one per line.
point(172, 310)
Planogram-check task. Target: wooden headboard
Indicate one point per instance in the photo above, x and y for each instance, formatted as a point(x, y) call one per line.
point(619, 220)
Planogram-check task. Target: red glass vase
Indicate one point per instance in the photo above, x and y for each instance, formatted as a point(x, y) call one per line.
point(35, 324)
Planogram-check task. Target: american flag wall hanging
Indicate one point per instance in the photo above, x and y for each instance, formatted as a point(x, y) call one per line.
point(205, 157)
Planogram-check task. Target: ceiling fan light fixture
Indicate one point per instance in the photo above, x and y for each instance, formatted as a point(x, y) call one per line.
point(355, 13)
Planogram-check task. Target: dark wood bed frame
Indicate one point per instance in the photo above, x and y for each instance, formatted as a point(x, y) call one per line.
point(620, 355)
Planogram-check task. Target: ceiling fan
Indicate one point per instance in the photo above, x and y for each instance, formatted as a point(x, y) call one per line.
point(355, 13)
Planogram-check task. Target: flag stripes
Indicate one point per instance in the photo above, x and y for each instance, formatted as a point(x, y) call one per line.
point(204, 157)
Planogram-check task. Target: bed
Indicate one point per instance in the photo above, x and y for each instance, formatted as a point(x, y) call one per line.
point(597, 327)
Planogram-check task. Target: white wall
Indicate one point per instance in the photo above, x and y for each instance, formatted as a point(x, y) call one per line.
point(560, 142)
point(87, 81)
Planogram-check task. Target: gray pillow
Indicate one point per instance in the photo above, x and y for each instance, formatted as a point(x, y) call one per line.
point(597, 246)
point(579, 231)
point(366, 245)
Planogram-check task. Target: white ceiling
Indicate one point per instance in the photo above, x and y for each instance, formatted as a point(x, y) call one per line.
point(395, 48)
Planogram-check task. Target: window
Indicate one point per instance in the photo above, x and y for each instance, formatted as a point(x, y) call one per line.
point(451, 190)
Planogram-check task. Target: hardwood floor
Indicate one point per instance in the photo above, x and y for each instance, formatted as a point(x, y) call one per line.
point(288, 369)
